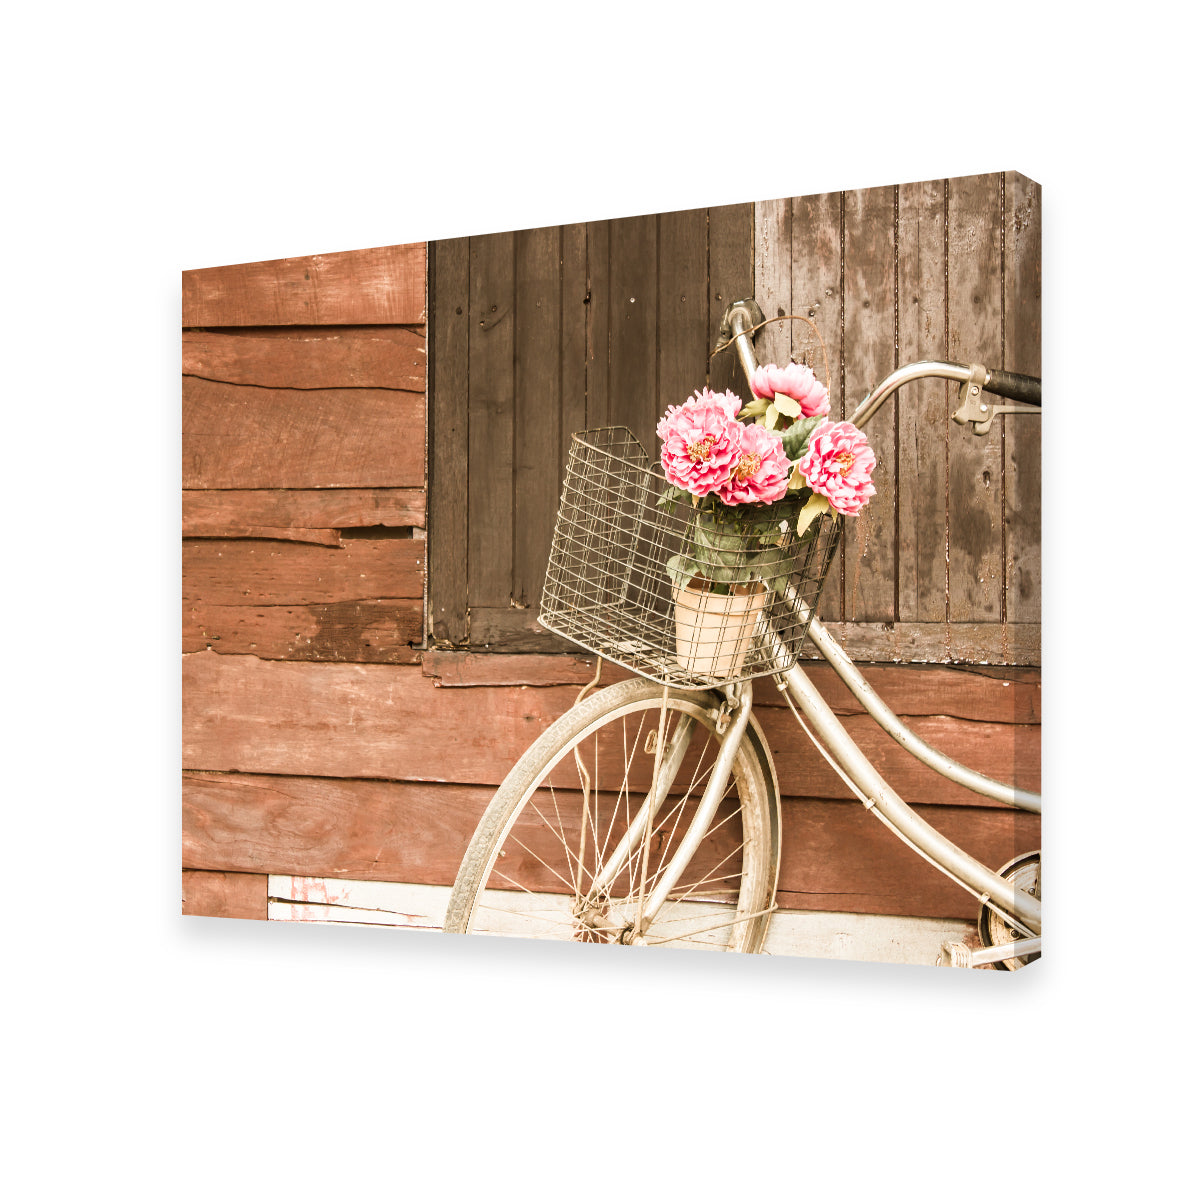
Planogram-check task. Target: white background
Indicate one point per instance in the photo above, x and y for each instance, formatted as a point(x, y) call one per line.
point(152, 1055)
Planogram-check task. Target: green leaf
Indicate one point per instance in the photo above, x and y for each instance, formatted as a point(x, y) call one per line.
point(795, 437)
point(771, 419)
point(681, 569)
point(787, 406)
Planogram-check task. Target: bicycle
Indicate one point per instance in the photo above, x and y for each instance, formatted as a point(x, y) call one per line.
point(649, 813)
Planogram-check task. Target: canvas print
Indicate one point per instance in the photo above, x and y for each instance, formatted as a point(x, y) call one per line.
point(668, 581)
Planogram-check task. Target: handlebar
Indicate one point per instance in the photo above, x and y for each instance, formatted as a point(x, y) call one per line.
point(742, 317)
point(1011, 386)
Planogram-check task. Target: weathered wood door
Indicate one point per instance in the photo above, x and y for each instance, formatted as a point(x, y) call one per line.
point(541, 332)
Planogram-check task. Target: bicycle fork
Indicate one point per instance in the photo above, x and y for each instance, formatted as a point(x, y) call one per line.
point(739, 700)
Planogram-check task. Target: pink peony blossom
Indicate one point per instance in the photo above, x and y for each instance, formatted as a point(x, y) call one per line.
point(760, 473)
point(794, 380)
point(838, 464)
point(700, 440)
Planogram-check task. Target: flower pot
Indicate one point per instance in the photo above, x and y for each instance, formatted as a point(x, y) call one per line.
point(713, 633)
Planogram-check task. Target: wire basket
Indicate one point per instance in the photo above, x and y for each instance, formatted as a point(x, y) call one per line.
point(618, 578)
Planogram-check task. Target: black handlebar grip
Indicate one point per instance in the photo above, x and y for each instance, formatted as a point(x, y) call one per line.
point(1015, 387)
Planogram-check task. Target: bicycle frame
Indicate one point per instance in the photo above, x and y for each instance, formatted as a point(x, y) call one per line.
point(988, 887)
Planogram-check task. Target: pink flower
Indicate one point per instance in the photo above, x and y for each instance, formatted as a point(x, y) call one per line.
point(760, 473)
point(794, 380)
point(700, 441)
point(838, 464)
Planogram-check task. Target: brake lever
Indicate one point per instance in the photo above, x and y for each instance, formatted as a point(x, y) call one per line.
point(973, 410)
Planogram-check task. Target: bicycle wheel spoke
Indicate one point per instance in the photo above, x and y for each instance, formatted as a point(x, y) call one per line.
point(560, 842)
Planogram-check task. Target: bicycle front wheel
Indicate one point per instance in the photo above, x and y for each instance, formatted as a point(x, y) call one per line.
point(576, 837)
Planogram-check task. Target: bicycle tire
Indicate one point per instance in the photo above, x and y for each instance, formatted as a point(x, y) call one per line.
point(525, 822)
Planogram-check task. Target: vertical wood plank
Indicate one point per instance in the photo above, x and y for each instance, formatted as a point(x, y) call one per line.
point(921, 476)
point(598, 319)
point(869, 355)
point(817, 293)
point(449, 418)
point(730, 278)
point(573, 386)
point(773, 278)
point(537, 333)
point(1023, 434)
point(490, 460)
point(633, 368)
point(682, 308)
point(976, 290)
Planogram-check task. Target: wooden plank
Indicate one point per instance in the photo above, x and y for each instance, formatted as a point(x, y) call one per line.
point(257, 573)
point(373, 631)
point(325, 438)
point(372, 356)
point(681, 305)
point(861, 937)
point(817, 293)
point(537, 407)
point(448, 437)
point(633, 370)
point(599, 323)
point(1023, 434)
point(773, 252)
point(224, 894)
point(223, 513)
point(945, 642)
point(836, 856)
point(380, 286)
point(514, 630)
point(869, 355)
point(924, 407)
point(573, 359)
point(244, 714)
point(361, 829)
point(1010, 696)
point(975, 219)
point(490, 435)
point(730, 278)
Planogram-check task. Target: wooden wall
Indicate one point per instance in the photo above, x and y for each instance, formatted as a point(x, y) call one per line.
point(320, 739)
point(543, 332)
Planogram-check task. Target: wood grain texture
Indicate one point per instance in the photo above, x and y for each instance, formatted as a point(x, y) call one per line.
point(1002, 694)
point(773, 253)
point(1023, 434)
point(817, 291)
point(923, 407)
point(633, 398)
point(208, 893)
point(362, 721)
point(835, 856)
point(359, 829)
point(490, 435)
point(263, 572)
point(448, 441)
point(255, 437)
point(869, 355)
point(380, 286)
point(730, 278)
point(537, 407)
point(681, 308)
point(226, 513)
point(975, 295)
point(371, 356)
point(369, 631)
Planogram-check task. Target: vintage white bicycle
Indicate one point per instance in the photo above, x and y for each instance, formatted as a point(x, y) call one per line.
point(649, 813)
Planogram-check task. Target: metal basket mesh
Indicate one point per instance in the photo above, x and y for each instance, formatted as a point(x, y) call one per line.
point(608, 587)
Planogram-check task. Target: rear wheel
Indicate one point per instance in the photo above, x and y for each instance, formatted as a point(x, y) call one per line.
point(553, 856)
point(1026, 872)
